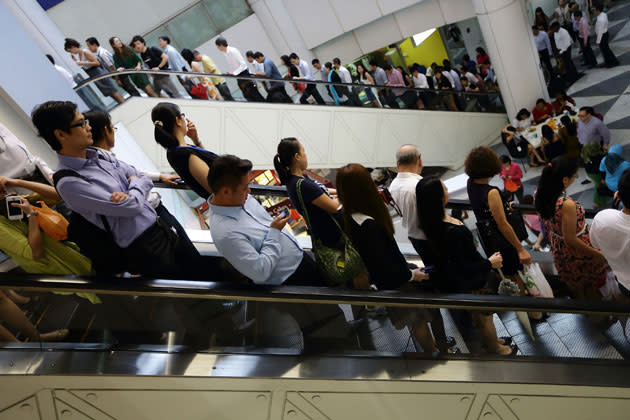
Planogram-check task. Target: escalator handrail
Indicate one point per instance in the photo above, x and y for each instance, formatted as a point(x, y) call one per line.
point(281, 191)
point(110, 74)
point(302, 294)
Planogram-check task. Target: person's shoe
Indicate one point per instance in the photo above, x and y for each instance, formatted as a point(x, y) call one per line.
point(450, 341)
point(506, 340)
point(586, 181)
point(56, 335)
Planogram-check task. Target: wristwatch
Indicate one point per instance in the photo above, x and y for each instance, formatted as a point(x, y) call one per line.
point(28, 216)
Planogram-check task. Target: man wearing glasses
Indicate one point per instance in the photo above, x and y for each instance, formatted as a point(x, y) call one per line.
point(109, 194)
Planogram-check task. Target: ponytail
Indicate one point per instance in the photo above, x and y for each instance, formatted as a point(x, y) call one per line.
point(282, 162)
point(551, 186)
point(164, 116)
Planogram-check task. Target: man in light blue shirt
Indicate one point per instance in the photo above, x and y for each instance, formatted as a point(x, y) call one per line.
point(543, 45)
point(110, 194)
point(258, 246)
point(175, 59)
point(307, 73)
point(276, 92)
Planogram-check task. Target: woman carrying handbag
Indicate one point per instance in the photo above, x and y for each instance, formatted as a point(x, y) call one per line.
point(334, 253)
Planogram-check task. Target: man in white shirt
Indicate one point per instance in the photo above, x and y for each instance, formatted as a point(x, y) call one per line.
point(238, 67)
point(15, 159)
point(63, 72)
point(311, 89)
point(601, 40)
point(345, 76)
point(564, 43)
point(403, 190)
point(610, 233)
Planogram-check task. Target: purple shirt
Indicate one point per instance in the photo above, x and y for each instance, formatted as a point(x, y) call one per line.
point(593, 130)
point(395, 79)
point(107, 175)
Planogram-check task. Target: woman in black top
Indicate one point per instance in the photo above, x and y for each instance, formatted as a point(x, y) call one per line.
point(321, 205)
point(371, 230)
point(552, 145)
point(192, 163)
point(460, 268)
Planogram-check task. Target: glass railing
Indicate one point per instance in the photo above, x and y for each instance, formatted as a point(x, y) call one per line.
point(206, 86)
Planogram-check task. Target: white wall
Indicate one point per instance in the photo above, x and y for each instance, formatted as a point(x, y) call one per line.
point(81, 19)
point(383, 29)
point(333, 136)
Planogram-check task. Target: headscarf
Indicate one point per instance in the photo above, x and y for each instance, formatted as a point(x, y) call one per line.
point(613, 159)
point(591, 150)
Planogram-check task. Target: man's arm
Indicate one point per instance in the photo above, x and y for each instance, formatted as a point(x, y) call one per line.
point(163, 62)
point(604, 132)
point(83, 196)
point(255, 265)
point(548, 44)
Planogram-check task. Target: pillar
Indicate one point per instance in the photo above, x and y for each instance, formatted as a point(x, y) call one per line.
point(510, 45)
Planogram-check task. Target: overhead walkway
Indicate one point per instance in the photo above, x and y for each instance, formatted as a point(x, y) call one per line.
point(332, 135)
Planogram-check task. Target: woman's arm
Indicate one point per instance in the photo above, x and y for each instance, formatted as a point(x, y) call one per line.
point(91, 60)
point(517, 173)
point(326, 203)
point(369, 77)
point(199, 170)
point(498, 214)
point(569, 231)
point(35, 239)
point(46, 191)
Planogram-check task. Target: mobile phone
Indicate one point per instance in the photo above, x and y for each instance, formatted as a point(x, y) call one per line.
point(429, 269)
point(284, 213)
point(14, 213)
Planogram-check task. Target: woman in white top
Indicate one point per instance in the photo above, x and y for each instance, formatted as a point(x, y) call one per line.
point(522, 121)
point(365, 78)
point(93, 68)
point(419, 81)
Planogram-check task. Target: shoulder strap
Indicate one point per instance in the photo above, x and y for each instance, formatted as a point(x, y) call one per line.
point(59, 175)
point(299, 194)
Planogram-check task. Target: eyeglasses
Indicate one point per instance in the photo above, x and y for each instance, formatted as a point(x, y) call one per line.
point(83, 124)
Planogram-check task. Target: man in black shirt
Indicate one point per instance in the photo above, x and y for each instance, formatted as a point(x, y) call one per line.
point(155, 59)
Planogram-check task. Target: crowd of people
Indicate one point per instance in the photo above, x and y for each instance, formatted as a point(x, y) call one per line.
point(569, 25)
point(388, 82)
point(120, 226)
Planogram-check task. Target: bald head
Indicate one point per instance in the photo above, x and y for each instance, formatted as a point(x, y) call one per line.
point(408, 159)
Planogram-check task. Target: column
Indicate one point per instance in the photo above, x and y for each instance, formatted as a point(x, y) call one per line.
point(510, 45)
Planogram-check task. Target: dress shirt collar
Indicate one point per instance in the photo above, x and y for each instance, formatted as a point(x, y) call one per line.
point(228, 211)
point(77, 163)
point(408, 175)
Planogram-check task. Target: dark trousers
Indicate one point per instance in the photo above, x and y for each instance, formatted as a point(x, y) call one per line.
point(128, 85)
point(311, 89)
point(609, 56)
point(569, 66)
point(546, 60)
point(278, 94)
point(423, 249)
point(159, 252)
point(224, 90)
point(171, 221)
point(589, 56)
point(249, 89)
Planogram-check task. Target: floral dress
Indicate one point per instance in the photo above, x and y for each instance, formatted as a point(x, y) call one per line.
point(574, 267)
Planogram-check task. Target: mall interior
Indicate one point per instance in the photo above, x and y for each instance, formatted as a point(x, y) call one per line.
point(325, 209)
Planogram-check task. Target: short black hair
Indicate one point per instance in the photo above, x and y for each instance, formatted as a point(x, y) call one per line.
point(165, 38)
point(535, 28)
point(294, 56)
point(137, 38)
point(98, 121)
point(314, 61)
point(599, 7)
point(540, 101)
point(373, 63)
point(92, 40)
point(328, 65)
point(227, 171)
point(249, 53)
point(554, 25)
point(71, 43)
point(50, 58)
point(504, 158)
point(51, 116)
point(221, 41)
point(258, 54)
point(577, 13)
point(588, 109)
point(623, 188)
point(387, 67)
point(336, 60)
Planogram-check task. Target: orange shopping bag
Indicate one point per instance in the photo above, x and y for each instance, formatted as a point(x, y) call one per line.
point(51, 222)
point(510, 185)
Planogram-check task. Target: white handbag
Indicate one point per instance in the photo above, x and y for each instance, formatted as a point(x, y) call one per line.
point(535, 281)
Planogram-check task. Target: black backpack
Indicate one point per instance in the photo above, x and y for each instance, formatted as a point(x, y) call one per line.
point(95, 243)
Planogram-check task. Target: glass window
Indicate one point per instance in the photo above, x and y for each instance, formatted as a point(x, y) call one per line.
point(152, 37)
point(226, 13)
point(192, 28)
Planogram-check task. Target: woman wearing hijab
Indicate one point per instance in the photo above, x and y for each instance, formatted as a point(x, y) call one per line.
point(613, 165)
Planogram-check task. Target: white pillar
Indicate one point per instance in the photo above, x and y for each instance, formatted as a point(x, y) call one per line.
point(281, 29)
point(509, 40)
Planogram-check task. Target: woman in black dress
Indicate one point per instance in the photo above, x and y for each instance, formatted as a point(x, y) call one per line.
point(370, 227)
point(192, 163)
point(459, 266)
